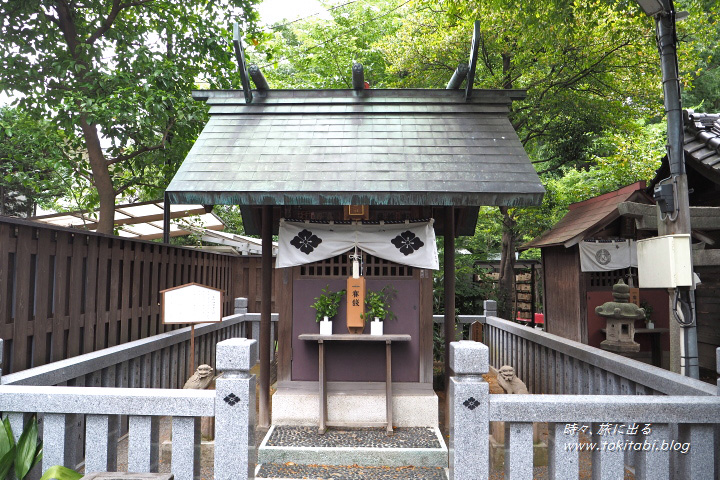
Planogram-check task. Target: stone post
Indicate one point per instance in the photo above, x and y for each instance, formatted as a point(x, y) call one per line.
point(490, 308)
point(241, 305)
point(235, 454)
point(717, 427)
point(468, 411)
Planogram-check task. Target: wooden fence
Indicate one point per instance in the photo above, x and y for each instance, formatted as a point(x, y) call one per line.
point(65, 292)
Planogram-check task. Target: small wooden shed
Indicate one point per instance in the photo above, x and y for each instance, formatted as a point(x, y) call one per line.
point(570, 294)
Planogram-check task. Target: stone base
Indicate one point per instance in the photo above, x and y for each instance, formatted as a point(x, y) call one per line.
point(365, 453)
point(620, 347)
point(411, 407)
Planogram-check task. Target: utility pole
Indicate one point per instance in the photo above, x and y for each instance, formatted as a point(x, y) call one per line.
point(671, 194)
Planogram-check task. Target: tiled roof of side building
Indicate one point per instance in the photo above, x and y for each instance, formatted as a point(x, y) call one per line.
point(702, 143)
point(585, 218)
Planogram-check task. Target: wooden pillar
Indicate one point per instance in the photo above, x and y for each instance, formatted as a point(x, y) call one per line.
point(166, 219)
point(265, 311)
point(449, 274)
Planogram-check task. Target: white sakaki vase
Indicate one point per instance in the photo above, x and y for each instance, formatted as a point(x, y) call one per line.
point(325, 326)
point(650, 325)
point(376, 327)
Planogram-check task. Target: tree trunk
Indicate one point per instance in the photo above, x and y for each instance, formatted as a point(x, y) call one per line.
point(101, 177)
point(506, 282)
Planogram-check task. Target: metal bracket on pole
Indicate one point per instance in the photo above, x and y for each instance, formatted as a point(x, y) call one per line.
point(240, 56)
point(474, 48)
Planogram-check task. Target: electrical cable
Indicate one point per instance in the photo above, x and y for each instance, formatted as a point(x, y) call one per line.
point(679, 317)
point(276, 27)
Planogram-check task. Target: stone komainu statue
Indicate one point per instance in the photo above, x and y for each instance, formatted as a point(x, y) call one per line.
point(509, 382)
point(201, 379)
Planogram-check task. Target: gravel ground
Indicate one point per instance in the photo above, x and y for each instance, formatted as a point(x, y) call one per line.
point(284, 436)
point(354, 472)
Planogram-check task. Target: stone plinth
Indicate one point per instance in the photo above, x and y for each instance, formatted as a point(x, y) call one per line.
point(298, 405)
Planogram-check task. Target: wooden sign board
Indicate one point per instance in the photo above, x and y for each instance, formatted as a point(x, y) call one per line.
point(635, 296)
point(191, 303)
point(355, 304)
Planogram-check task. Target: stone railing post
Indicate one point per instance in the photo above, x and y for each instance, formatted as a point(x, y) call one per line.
point(717, 426)
point(241, 305)
point(490, 308)
point(235, 454)
point(468, 411)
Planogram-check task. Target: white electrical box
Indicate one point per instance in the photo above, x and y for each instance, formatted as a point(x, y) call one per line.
point(665, 262)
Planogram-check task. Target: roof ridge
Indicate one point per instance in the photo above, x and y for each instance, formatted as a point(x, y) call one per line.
point(627, 189)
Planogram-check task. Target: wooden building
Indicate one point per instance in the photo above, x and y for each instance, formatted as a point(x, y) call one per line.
point(570, 294)
point(405, 155)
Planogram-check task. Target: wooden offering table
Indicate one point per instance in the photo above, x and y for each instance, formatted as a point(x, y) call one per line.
point(322, 381)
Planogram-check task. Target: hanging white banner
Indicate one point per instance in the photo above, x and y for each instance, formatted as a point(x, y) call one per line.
point(606, 256)
point(406, 243)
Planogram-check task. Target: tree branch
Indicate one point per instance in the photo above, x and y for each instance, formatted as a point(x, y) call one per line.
point(144, 149)
point(110, 19)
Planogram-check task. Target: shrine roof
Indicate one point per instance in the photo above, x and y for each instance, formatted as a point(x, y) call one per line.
point(587, 217)
point(371, 147)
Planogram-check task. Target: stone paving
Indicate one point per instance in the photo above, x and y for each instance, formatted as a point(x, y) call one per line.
point(353, 472)
point(285, 436)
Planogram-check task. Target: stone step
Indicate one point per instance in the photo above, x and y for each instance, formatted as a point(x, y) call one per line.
point(364, 447)
point(274, 471)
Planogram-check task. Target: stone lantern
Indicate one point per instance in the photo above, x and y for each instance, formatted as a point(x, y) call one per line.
point(620, 316)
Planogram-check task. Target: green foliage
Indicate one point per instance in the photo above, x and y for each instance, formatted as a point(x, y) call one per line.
point(701, 90)
point(7, 448)
point(378, 304)
point(123, 71)
point(58, 472)
point(22, 456)
point(231, 217)
point(327, 304)
point(469, 294)
point(319, 53)
point(590, 68)
point(31, 164)
point(645, 305)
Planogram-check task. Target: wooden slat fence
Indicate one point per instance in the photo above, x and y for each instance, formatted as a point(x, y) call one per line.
point(65, 292)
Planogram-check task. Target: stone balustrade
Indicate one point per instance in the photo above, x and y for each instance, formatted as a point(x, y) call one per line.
point(232, 404)
point(676, 436)
point(550, 364)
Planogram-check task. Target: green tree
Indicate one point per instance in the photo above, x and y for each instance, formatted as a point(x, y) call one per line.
point(31, 163)
point(319, 53)
point(590, 70)
point(119, 70)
